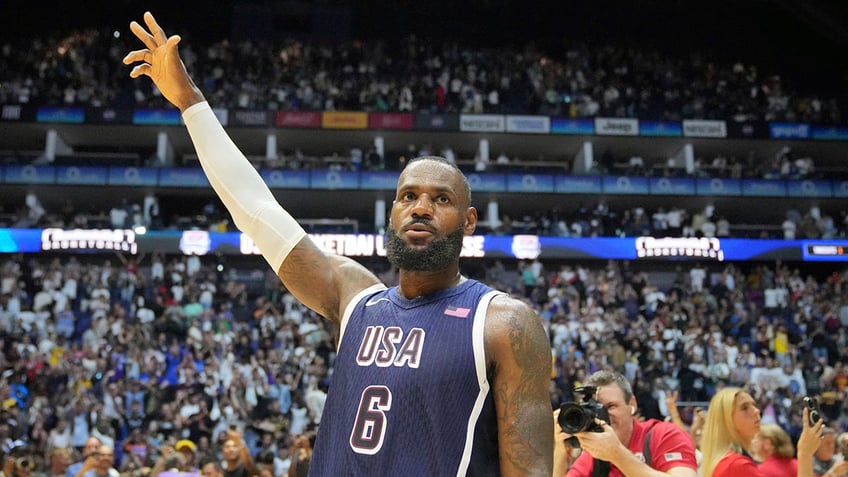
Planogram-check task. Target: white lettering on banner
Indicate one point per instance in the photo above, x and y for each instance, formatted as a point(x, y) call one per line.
point(365, 245)
point(98, 239)
point(526, 247)
point(704, 128)
point(251, 117)
point(648, 247)
point(528, 124)
point(195, 242)
point(481, 122)
point(300, 119)
point(473, 246)
point(765, 188)
point(790, 131)
point(617, 126)
point(11, 112)
point(580, 184)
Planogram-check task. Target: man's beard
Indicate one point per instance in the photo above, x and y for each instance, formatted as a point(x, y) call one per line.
point(437, 255)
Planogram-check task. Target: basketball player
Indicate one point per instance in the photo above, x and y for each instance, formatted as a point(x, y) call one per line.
point(440, 375)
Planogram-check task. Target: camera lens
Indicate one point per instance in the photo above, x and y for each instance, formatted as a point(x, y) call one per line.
point(574, 418)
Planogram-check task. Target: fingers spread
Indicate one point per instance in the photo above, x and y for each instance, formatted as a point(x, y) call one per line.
point(133, 56)
point(155, 29)
point(143, 35)
point(143, 69)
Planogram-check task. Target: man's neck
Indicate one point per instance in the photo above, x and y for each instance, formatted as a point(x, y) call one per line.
point(414, 284)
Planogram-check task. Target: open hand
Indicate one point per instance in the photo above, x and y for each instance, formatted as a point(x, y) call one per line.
point(160, 60)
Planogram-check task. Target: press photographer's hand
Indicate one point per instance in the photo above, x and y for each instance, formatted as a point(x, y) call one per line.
point(601, 445)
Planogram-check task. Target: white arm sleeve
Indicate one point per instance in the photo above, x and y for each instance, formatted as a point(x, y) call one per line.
point(254, 209)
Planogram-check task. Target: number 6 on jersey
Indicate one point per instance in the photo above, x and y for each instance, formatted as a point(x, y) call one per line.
point(369, 429)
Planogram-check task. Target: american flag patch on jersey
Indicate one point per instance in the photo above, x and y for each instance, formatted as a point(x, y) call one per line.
point(457, 311)
point(670, 456)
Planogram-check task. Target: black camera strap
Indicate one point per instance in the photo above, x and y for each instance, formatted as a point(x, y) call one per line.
point(601, 468)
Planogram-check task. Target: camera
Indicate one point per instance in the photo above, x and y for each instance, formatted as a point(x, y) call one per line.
point(24, 463)
point(815, 414)
point(580, 416)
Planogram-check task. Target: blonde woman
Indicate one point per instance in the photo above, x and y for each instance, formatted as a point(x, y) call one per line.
point(733, 419)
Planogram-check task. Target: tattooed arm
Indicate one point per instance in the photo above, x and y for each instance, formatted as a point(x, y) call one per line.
point(324, 282)
point(519, 357)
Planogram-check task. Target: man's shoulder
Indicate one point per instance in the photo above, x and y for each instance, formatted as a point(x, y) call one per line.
point(662, 428)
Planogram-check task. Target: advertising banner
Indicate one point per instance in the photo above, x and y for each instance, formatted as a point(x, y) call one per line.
point(583, 127)
point(437, 122)
point(247, 117)
point(157, 117)
point(51, 114)
point(182, 177)
point(344, 120)
point(487, 182)
point(672, 186)
point(704, 128)
point(378, 180)
point(334, 179)
point(285, 179)
point(298, 119)
point(528, 124)
point(481, 123)
point(789, 130)
point(522, 247)
point(660, 128)
point(81, 175)
point(578, 185)
point(108, 116)
point(529, 183)
point(809, 188)
point(133, 176)
point(748, 130)
point(403, 121)
point(29, 174)
point(763, 188)
point(625, 185)
point(830, 133)
point(718, 186)
point(17, 112)
point(840, 189)
point(617, 126)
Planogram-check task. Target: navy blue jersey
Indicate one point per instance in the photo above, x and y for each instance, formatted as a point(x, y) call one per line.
point(409, 394)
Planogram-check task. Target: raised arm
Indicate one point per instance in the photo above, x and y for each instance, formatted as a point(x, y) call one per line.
point(519, 361)
point(323, 282)
point(808, 442)
point(673, 412)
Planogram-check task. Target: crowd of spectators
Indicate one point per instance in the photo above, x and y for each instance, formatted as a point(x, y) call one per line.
point(414, 74)
point(144, 351)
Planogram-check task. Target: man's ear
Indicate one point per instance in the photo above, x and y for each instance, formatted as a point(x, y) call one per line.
point(470, 221)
